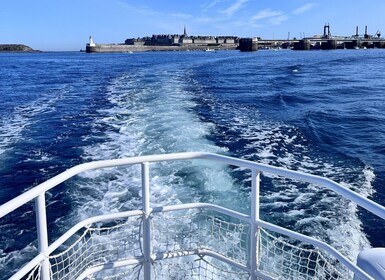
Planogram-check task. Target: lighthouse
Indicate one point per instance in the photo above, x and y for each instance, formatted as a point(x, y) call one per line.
point(91, 42)
point(90, 46)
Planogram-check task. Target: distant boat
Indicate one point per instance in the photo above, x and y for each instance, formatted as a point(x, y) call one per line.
point(209, 50)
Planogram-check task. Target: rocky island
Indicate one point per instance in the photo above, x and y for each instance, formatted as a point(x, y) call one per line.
point(15, 48)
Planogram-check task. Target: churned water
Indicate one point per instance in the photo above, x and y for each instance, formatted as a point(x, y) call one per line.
point(318, 112)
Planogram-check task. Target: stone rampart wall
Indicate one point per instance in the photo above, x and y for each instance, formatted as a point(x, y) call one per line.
point(109, 48)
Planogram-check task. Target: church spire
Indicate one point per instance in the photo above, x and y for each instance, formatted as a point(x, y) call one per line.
point(184, 32)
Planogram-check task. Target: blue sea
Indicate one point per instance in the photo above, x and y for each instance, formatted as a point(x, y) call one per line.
point(320, 112)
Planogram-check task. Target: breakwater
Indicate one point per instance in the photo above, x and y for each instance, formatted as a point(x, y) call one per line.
point(326, 41)
point(252, 44)
point(332, 44)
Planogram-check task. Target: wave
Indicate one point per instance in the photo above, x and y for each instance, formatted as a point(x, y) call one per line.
point(151, 114)
point(13, 125)
point(309, 209)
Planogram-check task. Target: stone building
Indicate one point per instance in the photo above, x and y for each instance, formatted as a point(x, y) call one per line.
point(182, 40)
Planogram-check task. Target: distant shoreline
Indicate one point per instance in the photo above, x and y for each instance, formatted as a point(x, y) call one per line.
point(16, 48)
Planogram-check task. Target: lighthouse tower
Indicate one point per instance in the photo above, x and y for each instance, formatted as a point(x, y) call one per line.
point(91, 42)
point(90, 46)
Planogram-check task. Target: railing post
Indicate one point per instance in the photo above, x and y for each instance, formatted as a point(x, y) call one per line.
point(42, 235)
point(254, 244)
point(146, 220)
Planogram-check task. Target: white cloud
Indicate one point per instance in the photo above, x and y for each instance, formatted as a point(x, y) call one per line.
point(245, 24)
point(268, 13)
point(303, 9)
point(203, 19)
point(272, 17)
point(208, 5)
point(181, 15)
point(141, 10)
point(278, 20)
point(234, 7)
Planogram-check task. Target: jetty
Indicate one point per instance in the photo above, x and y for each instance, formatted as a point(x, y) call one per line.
point(326, 41)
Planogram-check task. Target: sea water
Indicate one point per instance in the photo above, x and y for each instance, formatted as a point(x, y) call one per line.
point(319, 112)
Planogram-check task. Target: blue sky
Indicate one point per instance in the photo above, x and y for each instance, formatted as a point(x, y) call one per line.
point(67, 24)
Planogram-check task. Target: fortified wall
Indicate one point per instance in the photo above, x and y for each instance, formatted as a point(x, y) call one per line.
point(180, 40)
point(169, 42)
point(110, 48)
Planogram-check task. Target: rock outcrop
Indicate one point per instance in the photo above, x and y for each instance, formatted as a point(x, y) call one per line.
point(15, 48)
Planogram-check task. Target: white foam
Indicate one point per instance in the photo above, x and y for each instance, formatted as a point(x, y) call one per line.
point(12, 126)
point(310, 207)
point(299, 212)
point(153, 117)
point(13, 260)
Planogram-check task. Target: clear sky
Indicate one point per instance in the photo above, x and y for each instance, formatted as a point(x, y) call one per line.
point(67, 24)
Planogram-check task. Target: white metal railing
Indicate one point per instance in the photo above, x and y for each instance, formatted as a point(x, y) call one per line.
point(256, 224)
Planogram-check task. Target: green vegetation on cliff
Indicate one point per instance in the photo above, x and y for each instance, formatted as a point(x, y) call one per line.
point(15, 48)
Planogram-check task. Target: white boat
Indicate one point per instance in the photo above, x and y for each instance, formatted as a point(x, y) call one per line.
point(190, 241)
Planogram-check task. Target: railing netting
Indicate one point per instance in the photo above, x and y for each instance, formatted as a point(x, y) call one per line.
point(284, 258)
point(178, 240)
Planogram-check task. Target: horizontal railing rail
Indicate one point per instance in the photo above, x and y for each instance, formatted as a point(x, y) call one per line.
point(369, 205)
point(38, 194)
